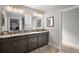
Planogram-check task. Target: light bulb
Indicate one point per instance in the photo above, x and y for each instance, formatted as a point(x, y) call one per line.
point(15, 10)
point(20, 10)
point(9, 8)
point(37, 14)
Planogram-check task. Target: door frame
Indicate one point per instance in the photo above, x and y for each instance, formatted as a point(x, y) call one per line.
point(60, 25)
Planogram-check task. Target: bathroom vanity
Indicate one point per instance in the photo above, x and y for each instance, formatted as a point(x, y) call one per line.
point(25, 42)
point(21, 32)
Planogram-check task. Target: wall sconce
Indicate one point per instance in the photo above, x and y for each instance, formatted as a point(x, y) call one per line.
point(14, 9)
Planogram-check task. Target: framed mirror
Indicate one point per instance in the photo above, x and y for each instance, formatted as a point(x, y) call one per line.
point(14, 24)
point(36, 22)
point(50, 21)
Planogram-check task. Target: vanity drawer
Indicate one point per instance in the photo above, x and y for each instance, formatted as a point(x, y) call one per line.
point(32, 35)
point(45, 33)
point(32, 39)
point(32, 46)
point(42, 39)
point(22, 37)
point(40, 34)
point(8, 47)
point(4, 40)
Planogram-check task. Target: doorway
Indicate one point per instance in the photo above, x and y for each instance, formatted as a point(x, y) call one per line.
point(70, 30)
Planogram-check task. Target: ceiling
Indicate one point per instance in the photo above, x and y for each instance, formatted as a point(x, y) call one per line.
point(43, 8)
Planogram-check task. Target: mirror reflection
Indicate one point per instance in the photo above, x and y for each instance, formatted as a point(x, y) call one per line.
point(18, 19)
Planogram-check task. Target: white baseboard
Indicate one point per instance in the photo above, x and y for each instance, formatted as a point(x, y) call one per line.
point(54, 45)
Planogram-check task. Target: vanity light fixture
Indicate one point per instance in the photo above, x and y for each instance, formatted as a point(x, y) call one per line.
point(14, 9)
point(38, 14)
point(8, 8)
point(20, 11)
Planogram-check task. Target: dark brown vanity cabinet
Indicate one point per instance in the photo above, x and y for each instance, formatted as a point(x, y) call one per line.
point(42, 39)
point(32, 42)
point(8, 45)
point(21, 44)
point(45, 38)
point(24, 43)
point(15, 44)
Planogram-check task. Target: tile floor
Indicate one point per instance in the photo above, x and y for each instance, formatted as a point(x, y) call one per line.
point(50, 49)
point(68, 49)
point(45, 49)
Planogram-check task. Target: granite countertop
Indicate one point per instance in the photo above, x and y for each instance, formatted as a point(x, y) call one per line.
point(20, 34)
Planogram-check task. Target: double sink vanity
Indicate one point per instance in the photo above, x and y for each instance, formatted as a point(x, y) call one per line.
point(23, 42)
point(21, 32)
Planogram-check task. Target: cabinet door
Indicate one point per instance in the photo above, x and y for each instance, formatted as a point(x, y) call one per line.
point(45, 38)
point(42, 39)
point(21, 44)
point(7, 46)
point(32, 46)
point(32, 38)
point(32, 42)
